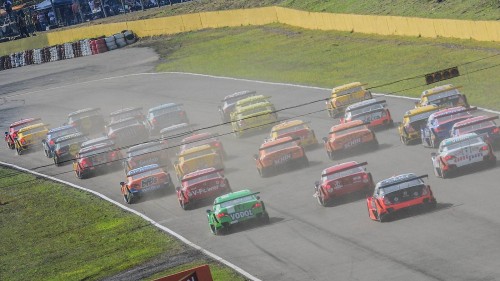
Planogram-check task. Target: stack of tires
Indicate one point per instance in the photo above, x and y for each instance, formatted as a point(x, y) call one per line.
point(2, 63)
point(37, 56)
point(77, 50)
point(129, 36)
point(54, 54)
point(61, 54)
point(85, 47)
point(101, 46)
point(45, 54)
point(28, 57)
point(111, 43)
point(13, 60)
point(68, 51)
point(120, 40)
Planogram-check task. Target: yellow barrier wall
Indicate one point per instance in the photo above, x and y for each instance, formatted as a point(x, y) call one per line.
point(383, 25)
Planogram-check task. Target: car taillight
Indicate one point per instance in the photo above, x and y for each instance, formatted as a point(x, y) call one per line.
point(496, 131)
point(437, 129)
point(365, 178)
point(23, 141)
point(84, 163)
point(484, 148)
point(257, 205)
point(448, 157)
point(387, 201)
point(329, 188)
point(112, 136)
point(425, 190)
point(154, 121)
point(134, 186)
point(409, 129)
point(181, 113)
point(14, 134)
point(336, 103)
point(216, 144)
point(52, 142)
point(220, 215)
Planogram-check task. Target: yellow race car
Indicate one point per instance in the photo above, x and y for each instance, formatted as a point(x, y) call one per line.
point(413, 120)
point(30, 136)
point(345, 95)
point(197, 158)
point(443, 96)
point(253, 117)
point(297, 129)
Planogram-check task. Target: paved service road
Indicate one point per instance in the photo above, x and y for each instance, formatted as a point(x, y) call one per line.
point(457, 241)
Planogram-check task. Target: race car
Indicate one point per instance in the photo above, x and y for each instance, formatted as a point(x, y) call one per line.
point(229, 102)
point(443, 96)
point(165, 115)
point(200, 185)
point(66, 147)
point(397, 193)
point(484, 126)
point(88, 121)
point(413, 120)
point(459, 152)
point(342, 179)
point(296, 129)
point(254, 117)
point(146, 154)
point(144, 180)
point(172, 136)
point(371, 111)
point(281, 154)
point(345, 95)
point(96, 158)
point(14, 127)
point(135, 112)
point(48, 142)
point(439, 124)
point(201, 139)
point(94, 141)
point(234, 208)
point(29, 137)
point(348, 137)
point(197, 158)
point(127, 132)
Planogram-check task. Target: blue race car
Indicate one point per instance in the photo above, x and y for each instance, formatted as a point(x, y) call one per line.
point(439, 124)
point(49, 142)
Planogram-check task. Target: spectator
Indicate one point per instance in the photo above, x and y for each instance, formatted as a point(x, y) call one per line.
point(42, 21)
point(52, 17)
point(77, 12)
point(36, 22)
point(21, 23)
point(8, 8)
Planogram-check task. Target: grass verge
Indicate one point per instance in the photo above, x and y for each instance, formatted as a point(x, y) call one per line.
point(285, 54)
point(52, 232)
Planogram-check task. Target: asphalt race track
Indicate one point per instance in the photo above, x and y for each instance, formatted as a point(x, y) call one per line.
point(457, 241)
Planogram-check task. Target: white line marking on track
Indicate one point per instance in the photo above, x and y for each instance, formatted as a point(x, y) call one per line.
point(166, 229)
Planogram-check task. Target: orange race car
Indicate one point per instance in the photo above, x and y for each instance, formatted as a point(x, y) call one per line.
point(14, 128)
point(296, 129)
point(280, 154)
point(200, 185)
point(96, 158)
point(347, 136)
point(145, 179)
point(397, 193)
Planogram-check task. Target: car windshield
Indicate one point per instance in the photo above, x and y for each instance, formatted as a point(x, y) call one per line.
point(34, 130)
point(146, 174)
point(368, 117)
point(348, 131)
point(357, 111)
point(166, 110)
point(114, 127)
point(397, 187)
point(350, 91)
point(342, 174)
point(447, 94)
point(196, 154)
point(19, 126)
point(462, 143)
point(88, 114)
point(71, 141)
point(61, 133)
point(203, 178)
point(237, 201)
point(280, 146)
point(291, 129)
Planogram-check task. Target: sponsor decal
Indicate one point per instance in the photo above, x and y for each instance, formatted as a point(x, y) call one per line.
point(201, 191)
point(148, 182)
point(352, 142)
point(240, 215)
point(337, 185)
point(282, 159)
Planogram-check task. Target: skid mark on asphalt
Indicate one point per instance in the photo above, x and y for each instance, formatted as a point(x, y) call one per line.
point(354, 243)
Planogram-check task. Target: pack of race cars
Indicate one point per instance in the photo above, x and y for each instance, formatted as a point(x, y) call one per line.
point(147, 146)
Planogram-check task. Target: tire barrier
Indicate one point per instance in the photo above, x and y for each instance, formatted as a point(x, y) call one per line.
point(82, 48)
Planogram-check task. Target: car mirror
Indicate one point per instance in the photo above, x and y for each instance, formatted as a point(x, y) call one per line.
point(178, 188)
point(325, 139)
point(122, 183)
point(316, 183)
point(433, 154)
point(256, 157)
point(6, 133)
point(208, 211)
point(258, 197)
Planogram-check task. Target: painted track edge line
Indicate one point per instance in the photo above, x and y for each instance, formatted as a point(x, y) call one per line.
point(164, 228)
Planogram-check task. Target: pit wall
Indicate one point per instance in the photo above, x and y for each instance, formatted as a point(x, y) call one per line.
point(382, 25)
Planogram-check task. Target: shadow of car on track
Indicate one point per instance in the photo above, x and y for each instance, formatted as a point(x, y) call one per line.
point(251, 225)
point(418, 211)
point(472, 170)
point(362, 150)
point(347, 199)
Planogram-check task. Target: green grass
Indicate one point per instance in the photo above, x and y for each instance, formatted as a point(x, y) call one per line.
point(284, 54)
point(53, 232)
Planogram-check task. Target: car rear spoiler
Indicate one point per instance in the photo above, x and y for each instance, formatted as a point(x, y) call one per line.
point(242, 93)
point(303, 123)
point(441, 91)
point(99, 146)
point(143, 146)
point(227, 200)
point(293, 139)
point(78, 112)
point(477, 122)
point(118, 112)
point(367, 105)
point(458, 111)
point(347, 128)
point(142, 170)
point(345, 169)
point(403, 181)
point(203, 174)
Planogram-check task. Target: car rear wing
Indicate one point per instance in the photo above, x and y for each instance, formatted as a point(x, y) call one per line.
point(244, 195)
point(17, 123)
point(97, 146)
point(457, 111)
point(403, 181)
point(345, 169)
point(347, 128)
point(303, 123)
point(143, 146)
point(81, 111)
point(121, 111)
point(202, 174)
point(365, 105)
point(441, 91)
point(239, 94)
point(279, 143)
point(476, 122)
point(346, 91)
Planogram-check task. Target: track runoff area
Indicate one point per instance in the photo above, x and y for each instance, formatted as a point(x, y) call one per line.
point(304, 241)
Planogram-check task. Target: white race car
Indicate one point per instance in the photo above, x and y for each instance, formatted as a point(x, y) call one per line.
point(459, 152)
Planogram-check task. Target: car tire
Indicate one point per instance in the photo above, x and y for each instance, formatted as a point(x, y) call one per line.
point(79, 174)
point(183, 205)
point(128, 197)
point(330, 155)
point(265, 218)
point(19, 151)
point(305, 162)
point(321, 199)
point(264, 173)
point(404, 140)
point(56, 161)
point(383, 217)
point(432, 204)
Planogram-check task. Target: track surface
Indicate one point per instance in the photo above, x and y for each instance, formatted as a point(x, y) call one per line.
point(457, 241)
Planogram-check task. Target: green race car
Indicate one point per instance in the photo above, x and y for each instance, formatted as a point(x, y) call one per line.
point(236, 207)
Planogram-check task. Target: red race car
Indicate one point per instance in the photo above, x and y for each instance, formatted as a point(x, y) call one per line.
point(342, 179)
point(96, 158)
point(397, 193)
point(201, 139)
point(14, 127)
point(201, 184)
point(348, 137)
point(144, 180)
point(371, 111)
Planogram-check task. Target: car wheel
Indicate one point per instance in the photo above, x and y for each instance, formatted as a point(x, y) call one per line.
point(330, 154)
point(212, 229)
point(79, 174)
point(383, 217)
point(128, 197)
point(264, 173)
point(432, 205)
point(56, 161)
point(218, 231)
point(10, 145)
point(305, 162)
point(183, 205)
point(404, 140)
point(19, 151)
point(321, 199)
point(374, 144)
point(265, 218)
